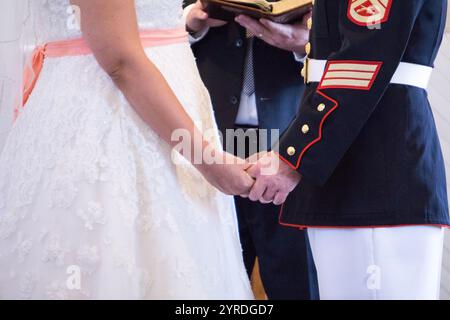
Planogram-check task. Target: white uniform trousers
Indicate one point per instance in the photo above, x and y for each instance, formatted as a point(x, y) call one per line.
point(378, 263)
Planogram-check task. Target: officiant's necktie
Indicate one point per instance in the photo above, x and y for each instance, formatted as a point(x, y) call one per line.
point(249, 77)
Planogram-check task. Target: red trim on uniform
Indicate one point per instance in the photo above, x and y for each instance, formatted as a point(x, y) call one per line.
point(385, 18)
point(378, 64)
point(303, 227)
point(336, 105)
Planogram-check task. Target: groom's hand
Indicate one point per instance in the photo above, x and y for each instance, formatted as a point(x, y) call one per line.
point(197, 20)
point(274, 179)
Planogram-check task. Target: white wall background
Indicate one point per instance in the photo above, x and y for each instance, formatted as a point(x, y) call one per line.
point(439, 92)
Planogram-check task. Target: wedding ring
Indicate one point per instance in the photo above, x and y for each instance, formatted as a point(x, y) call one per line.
point(260, 35)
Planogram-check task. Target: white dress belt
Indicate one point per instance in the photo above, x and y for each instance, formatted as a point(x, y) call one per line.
point(410, 74)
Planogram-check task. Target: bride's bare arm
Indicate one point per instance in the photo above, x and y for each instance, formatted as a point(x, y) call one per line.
point(111, 30)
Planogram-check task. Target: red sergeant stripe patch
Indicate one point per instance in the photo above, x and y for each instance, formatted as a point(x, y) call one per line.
point(357, 75)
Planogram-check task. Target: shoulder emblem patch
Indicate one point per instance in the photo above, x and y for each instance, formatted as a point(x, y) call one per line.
point(369, 12)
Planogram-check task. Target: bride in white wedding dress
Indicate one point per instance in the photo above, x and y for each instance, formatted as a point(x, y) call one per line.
point(87, 182)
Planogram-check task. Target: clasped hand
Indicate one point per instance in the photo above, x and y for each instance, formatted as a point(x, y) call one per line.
point(262, 177)
point(274, 179)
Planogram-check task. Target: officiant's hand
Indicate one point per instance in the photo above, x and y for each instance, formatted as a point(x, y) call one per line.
point(198, 20)
point(274, 179)
point(290, 37)
point(228, 175)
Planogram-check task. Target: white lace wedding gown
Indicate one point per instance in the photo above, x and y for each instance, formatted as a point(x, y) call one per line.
point(86, 187)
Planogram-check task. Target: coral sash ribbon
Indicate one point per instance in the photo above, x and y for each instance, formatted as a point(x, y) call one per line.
point(78, 47)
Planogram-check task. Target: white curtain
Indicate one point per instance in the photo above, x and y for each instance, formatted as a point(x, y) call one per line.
point(11, 61)
point(448, 19)
point(440, 100)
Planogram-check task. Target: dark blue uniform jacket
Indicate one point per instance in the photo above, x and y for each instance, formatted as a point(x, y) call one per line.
point(368, 150)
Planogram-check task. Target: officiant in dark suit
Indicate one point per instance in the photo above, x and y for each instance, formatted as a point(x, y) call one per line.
point(253, 76)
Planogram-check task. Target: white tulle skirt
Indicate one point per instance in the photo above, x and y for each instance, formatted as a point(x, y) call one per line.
point(92, 205)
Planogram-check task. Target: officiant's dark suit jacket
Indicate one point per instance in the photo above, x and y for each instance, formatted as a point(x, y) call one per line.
point(279, 86)
point(286, 266)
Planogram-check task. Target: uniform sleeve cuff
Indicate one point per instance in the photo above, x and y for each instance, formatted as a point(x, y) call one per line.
point(305, 134)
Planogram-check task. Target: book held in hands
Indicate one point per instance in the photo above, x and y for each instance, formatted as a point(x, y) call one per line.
point(281, 11)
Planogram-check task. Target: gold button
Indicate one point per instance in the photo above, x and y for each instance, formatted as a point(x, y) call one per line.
point(308, 48)
point(303, 72)
point(305, 128)
point(321, 107)
point(291, 151)
point(309, 23)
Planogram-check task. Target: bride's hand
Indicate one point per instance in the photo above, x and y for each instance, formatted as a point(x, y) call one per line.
point(229, 176)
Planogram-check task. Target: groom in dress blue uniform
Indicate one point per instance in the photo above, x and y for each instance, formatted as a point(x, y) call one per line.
point(364, 140)
point(255, 85)
point(364, 147)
